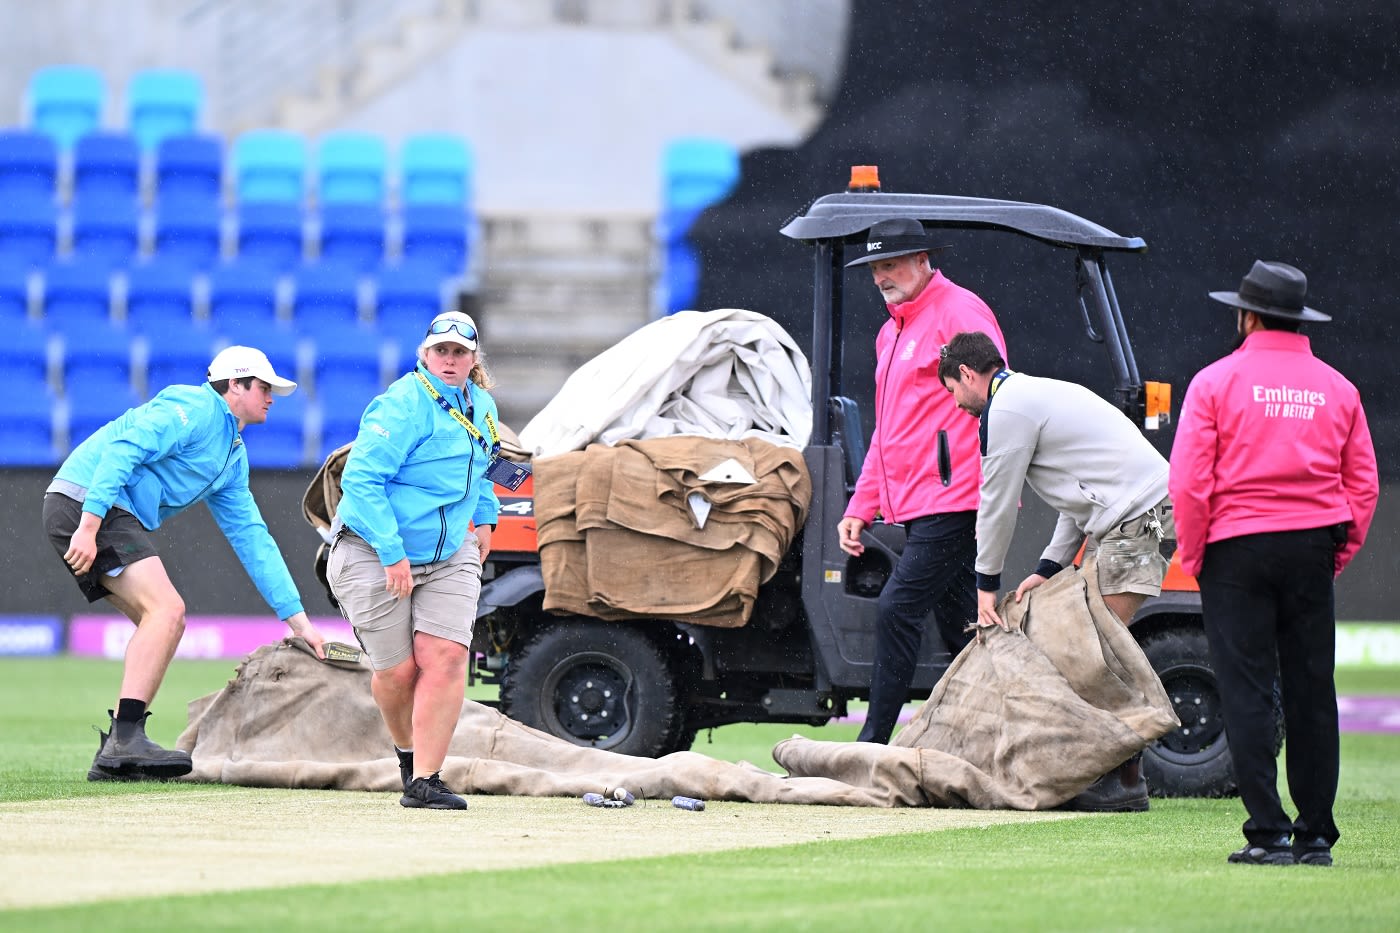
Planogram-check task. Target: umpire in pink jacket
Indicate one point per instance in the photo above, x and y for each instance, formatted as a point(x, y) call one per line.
point(922, 466)
point(1273, 476)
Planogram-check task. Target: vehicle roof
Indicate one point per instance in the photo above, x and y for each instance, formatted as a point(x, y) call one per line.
point(846, 214)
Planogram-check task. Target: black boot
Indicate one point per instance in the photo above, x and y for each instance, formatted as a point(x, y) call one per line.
point(1122, 790)
point(127, 755)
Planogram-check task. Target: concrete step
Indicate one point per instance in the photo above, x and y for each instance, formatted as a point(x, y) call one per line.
point(571, 333)
point(567, 234)
point(524, 386)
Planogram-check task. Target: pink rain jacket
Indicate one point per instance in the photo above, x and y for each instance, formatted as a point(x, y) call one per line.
point(900, 478)
point(1271, 439)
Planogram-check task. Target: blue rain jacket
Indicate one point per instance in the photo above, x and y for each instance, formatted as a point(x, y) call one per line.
point(415, 476)
point(180, 448)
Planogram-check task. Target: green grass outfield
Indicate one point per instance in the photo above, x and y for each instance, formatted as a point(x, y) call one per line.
point(1164, 870)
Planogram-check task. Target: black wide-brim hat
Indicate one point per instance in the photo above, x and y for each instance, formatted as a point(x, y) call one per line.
point(1274, 289)
point(890, 238)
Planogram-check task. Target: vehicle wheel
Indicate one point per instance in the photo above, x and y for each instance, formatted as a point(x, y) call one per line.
point(1194, 760)
point(605, 685)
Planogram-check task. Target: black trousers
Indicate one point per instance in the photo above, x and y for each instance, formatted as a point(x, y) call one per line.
point(1269, 607)
point(935, 572)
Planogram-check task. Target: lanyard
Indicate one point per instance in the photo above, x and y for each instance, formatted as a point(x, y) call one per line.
point(491, 449)
point(992, 387)
point(996, 382)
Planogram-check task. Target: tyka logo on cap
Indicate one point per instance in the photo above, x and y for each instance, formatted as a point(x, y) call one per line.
point(247, 362)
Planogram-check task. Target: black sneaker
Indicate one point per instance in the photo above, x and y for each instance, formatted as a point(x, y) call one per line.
point(126, 754)
point(430, 793)
point(1279, 852)
point(405, 767)
point(1314, 851)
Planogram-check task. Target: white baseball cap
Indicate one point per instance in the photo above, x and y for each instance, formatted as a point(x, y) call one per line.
point(451, 327)
point(241, 362)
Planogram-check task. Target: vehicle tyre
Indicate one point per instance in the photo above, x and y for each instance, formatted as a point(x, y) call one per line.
point(1194, 760)
point(598, 684)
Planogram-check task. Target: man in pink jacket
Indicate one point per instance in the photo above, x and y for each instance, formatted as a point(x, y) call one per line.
point(922, 467)
point(1273, 477)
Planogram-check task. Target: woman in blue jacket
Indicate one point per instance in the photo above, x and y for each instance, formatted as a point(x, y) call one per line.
point(405, 567)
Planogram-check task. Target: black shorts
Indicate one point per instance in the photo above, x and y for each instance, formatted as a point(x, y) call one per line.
point(121, 541)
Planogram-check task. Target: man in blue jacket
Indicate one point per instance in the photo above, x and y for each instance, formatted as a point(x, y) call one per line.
point(182, 447)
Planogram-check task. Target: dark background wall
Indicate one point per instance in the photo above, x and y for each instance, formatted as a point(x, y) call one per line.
point(199, 560)
point(1220, 132)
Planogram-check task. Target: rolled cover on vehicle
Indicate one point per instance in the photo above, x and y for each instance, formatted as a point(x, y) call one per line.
point(728, 373)
point(620, 539)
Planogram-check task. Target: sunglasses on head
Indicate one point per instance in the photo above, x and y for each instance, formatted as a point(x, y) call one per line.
point(438, 328)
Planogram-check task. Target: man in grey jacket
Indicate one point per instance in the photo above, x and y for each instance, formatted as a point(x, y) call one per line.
point(1093, 466)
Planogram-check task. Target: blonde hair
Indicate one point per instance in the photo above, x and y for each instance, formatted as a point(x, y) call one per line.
point(479, 374)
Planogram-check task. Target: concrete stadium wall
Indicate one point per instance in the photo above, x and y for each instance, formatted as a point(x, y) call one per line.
point(570, 119)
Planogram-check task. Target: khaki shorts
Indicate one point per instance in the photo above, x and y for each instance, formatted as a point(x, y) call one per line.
point(443, 602)
point(1130, 554)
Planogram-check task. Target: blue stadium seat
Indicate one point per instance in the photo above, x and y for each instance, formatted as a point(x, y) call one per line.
point(436, 234)
point(340, 416)
point(65, 101)
point(14, 292)
point(353, 235)
point(695, 173)
point(271, 233)
point(681, 277)
point(190, 168)
point(28, 166)
point(347, 362)
point(92, 405)
point(350, 169)
point(106, 166)
point(242, 296)
point(325, 296)
point(29, 232)
point(163, 102)
point(106, 231)
point(281, 344)
point(96, 357)
point(406, 297)
point(280, 442)
point(77, 292)
point(435, 169)
point(26, 427)
point(342, 396)
point(179, 355)
point(269, 165)
point(159, 296)
point(24, 355)
point(188, 230)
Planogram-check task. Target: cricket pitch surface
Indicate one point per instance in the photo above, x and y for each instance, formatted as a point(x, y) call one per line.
point(226, 839)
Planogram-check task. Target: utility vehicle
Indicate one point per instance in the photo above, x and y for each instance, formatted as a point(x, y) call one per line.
point(647, 687)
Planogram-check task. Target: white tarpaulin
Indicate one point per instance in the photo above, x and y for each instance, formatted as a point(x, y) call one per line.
point(730, 374)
